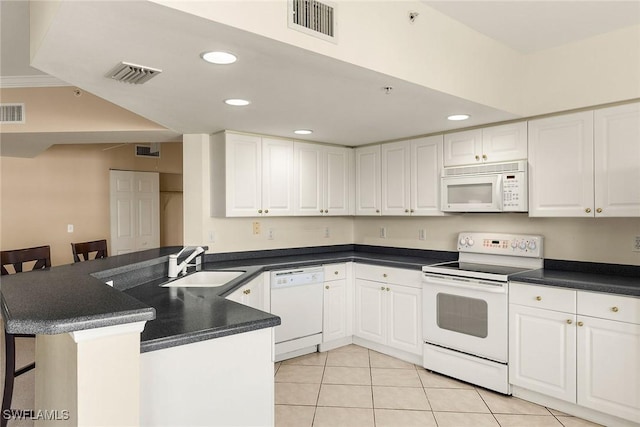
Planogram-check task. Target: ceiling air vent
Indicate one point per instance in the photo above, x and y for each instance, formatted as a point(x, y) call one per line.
point(151, 150)
point(131, 73)
point(314, 18)
point(12, 113)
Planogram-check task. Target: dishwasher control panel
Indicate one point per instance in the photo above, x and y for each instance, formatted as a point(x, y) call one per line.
point(297, 277)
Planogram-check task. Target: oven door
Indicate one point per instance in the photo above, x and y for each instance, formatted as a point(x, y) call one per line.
point(478, 193)
point(467, 315)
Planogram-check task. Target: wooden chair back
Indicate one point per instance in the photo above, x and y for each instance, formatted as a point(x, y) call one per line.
point(19, 257)
point(82, 251)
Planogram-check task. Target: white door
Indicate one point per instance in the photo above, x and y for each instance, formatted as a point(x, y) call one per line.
point(308, 179)
point(243, 173)
point(426, 162)
point(608, 367)
point(504, 143)
point(395, 178)
point(368, 180)
point(135, 211)
point(404, 318)
point(542, 351)
point(617, 161)
point(561, 166)
point(463, 148)
point(370, 313)
point(277, 177)
point(337, 194)
point(334, 325)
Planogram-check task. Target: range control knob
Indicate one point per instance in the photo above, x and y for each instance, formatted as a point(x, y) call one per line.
point(514, 244)
point(532, 245)
point(463, 241)
point(470, 242)
point(523, 245)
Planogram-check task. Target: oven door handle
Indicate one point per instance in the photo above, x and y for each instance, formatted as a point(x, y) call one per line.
point(464, 283)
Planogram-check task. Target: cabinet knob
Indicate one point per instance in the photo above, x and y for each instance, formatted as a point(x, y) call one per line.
point(384, 275)
point(388, 289)
point(569, 321)
point(614, 309)
point(580, 324)
point(259, 210)
point(477, 157)
point(377, 210)
point(336, 273)
point(326, 211)
point(538, 298)
point(599, 210)
point(326, 287)
point(246, 291)
point(406, 211)
point(321, 211)
point(484, 157)
point(382, 288)
point(411, 210)
point(588, 210)
point(266, 211)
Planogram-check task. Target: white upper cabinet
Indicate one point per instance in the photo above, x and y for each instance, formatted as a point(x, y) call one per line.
point(251, 176)
point(410, 175)
point(368, 180)
point(322, 179)
point(493, 144)
point(586, 164)
point(617, 161)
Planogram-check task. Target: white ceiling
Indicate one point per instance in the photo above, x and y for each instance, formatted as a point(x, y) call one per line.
point(290, 88)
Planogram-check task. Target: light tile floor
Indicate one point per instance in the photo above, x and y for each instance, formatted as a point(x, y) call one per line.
point(353, 386)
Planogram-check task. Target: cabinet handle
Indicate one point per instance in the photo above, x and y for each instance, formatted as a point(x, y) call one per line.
point(588, 210)
point(569, 321)
point(580, 324)
point(477, 157)
point(388, 289)
point(326, 287)
point(259, 210)
point(484, 157)
point(614, 309)
point(538, 298)
point(599, 210)
point(382, 288)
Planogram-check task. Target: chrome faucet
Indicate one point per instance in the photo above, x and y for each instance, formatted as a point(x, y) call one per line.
point(175, 269)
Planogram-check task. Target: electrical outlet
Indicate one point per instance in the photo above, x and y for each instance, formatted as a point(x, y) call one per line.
point(327, 232)
point(270, 234)
point(636, 244)
point(422, 234)
point(256, 227)
point(383, 232)
point(69, 228)
point(212, 236)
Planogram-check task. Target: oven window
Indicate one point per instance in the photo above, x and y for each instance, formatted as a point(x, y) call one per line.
point(470, 193)
point(465, 315)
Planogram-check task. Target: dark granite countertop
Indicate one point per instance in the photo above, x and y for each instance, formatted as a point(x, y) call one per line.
point(595, 277)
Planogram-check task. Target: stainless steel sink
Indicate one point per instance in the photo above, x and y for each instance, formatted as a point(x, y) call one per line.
point(204, 279)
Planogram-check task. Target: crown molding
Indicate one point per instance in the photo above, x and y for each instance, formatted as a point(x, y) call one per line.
point(38, 80)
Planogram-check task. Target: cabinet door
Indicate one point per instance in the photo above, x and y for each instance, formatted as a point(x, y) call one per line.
point(370, 313)
point(504, 143)
point(243, 173)
point(308, 182)
point(426, 163)
point(561, 166)
point(463, 148)
point(617, 161)
point(251, 294)
point(338, 167)
point(609, 367)
point(404, 318)
point(542, 351)
point(368, 180)
point(334, 323)
point(395, 177)
point(277, 177)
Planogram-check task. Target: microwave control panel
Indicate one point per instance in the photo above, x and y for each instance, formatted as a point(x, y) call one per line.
point(514, 192)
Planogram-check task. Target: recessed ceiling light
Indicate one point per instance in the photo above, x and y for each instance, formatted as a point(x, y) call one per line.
point(237, 102)
point(456, 117)
point(219, 57)
point(303, 131)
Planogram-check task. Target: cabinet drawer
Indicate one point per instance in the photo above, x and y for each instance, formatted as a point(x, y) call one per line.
point(335, 272)
point(391, 275)
point(546, 297)
point(613, 307)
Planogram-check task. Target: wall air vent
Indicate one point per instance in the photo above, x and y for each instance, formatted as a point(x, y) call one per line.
point(131, 73)
point(151, 150)
point(12, 113)
point(314, 18)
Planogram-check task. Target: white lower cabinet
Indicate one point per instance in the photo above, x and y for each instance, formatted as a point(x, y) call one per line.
point(255, 293)
point(580, 347)
point(337, 297)
point(388, 313)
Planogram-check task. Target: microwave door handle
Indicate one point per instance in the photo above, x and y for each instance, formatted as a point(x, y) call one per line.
point(499, 192)
point(454, 282)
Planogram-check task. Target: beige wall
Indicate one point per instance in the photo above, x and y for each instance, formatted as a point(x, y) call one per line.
point(67, 184)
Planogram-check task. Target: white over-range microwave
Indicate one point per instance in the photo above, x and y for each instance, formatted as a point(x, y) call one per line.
point(493, 187)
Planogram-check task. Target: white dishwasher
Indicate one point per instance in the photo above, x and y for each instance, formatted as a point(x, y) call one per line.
point(296, 296)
